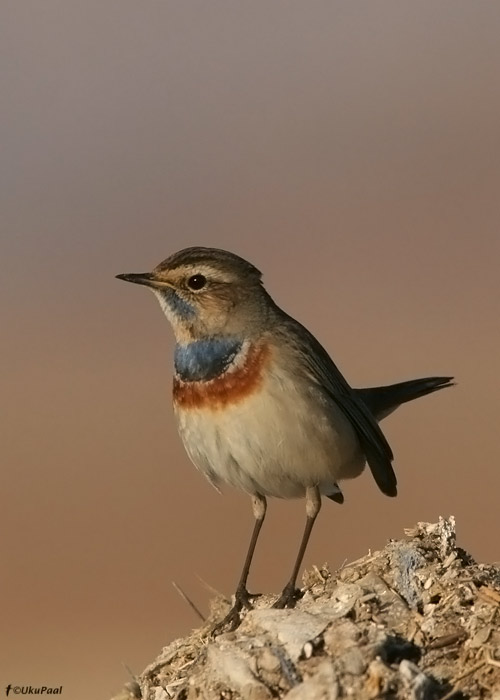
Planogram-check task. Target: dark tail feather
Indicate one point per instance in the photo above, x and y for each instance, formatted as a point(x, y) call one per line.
point(383, 400)
point(336, 494)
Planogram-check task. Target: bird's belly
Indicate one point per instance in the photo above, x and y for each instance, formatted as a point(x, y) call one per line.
point(276, 441)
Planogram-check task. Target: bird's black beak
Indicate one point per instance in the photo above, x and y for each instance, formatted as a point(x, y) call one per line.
point(146, 278)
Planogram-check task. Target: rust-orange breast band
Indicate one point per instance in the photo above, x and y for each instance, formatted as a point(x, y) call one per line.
point(231, 387)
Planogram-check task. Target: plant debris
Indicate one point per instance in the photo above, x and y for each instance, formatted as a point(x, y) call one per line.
point(419, 620)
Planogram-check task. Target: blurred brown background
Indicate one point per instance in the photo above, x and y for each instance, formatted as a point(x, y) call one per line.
point(351, 151)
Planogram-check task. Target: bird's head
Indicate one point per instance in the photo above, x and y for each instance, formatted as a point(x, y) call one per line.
point(208, 292)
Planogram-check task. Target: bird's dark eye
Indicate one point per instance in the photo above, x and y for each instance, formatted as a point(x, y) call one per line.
point(197, 281)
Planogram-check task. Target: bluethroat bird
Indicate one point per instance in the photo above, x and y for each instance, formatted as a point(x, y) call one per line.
point(259, 403)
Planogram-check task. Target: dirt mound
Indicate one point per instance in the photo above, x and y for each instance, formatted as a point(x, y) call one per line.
point(419, 620)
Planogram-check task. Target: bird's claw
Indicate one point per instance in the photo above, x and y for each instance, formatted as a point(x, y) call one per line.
point(242, 601)
point(288, 598)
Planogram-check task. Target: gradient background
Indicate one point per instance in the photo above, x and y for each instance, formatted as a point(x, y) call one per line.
point(351, 150)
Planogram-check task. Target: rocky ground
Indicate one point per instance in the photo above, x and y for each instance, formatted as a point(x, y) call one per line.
point(419, 620)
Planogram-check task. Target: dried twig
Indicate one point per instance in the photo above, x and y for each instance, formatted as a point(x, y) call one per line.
point(188, 600)
point(213, 590)
point(490, 660)
point(447, 640)
point(469, 671)
point(490, 595)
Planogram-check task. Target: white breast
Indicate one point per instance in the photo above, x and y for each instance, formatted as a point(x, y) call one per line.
point(277, 441)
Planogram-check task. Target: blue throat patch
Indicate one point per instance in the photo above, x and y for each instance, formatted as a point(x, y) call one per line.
point(183, 309)
point(203, 360)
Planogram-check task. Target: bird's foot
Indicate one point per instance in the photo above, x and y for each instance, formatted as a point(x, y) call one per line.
point(289, 596)
point(242, 601)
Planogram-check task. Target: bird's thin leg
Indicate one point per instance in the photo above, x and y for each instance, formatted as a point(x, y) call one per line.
point(242, 596)
point(290, 593)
